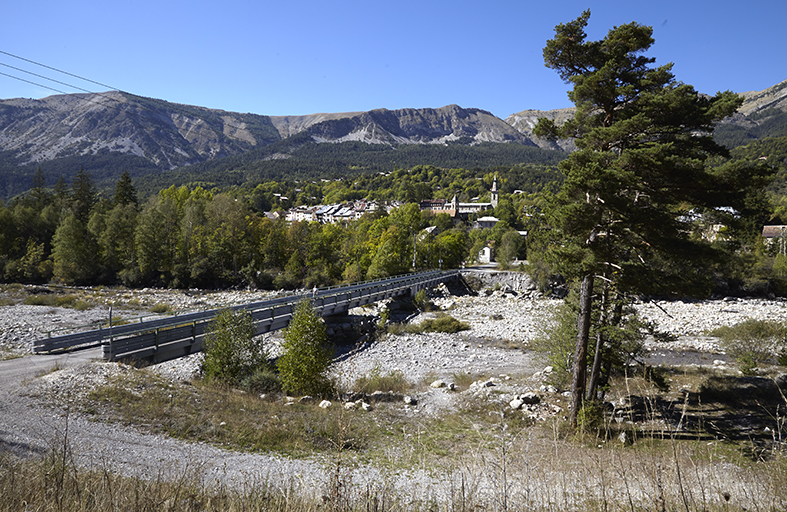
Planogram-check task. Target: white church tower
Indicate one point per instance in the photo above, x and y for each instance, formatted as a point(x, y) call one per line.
point(495, 193)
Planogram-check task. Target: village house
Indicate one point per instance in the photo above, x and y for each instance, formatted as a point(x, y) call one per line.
point(336, 213)
point(486, 222)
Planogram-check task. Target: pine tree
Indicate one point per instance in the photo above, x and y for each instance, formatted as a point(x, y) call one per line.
point(83, 196)
point(640, 176)
point(39, 195)
point(125, 193)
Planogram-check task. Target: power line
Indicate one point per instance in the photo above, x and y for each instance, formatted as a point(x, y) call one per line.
point(60, 71)
point(172, 106)
point(88, 98)
point(42, 76)
point(32, 83)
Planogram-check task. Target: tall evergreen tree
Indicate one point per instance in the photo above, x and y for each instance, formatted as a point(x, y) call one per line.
point(640, 176)
point(83, 196)
point(125, 193)
point(39, 195)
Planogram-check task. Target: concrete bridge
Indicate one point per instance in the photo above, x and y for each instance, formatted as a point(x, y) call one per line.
point(171, 337)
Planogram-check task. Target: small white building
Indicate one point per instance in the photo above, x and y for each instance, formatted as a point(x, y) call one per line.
point(485, 255)
point(485, 222)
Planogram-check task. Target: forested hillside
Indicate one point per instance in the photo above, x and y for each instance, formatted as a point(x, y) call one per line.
point(300, 158)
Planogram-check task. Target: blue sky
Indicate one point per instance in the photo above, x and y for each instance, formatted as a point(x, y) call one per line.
point(301, 57)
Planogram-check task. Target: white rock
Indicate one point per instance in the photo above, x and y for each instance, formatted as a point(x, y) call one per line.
point(438, 384)
point(325, 404)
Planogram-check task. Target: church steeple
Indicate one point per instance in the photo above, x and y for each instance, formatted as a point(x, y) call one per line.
point(495, 193)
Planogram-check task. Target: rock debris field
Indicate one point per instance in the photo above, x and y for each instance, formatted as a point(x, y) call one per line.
point(502, 323)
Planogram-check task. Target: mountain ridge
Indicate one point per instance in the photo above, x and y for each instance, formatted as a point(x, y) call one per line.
point(146, 134)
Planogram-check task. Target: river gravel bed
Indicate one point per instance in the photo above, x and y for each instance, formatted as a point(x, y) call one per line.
point(501, 324)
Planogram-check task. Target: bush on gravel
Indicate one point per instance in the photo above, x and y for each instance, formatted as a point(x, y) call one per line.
point(754, 342)
point(443, 323)
point(303, 367)
point(232, 353)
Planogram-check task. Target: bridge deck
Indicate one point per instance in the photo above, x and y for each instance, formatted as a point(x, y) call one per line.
point(168, 338)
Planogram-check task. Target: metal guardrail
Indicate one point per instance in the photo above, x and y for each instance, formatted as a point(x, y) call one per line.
point(168, 338)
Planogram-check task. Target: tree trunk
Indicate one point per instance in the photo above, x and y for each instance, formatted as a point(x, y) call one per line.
point(581, 351)
point(595, 373)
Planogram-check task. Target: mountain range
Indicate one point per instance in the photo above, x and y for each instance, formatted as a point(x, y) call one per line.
point(109, 132)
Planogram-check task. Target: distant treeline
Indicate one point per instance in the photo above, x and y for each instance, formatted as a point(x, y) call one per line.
point(195, 237)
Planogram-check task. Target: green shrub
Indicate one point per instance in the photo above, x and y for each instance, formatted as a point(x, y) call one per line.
point(303, 367)
point(231, 350)
point(556, 341)
point(160, 308)
point(385, 315)
point(443, 323)
point(40, 300)
point(396, 328)
point(622, 335)
point(262, 380)
point(61, 301)
point(753, 342)
point(422, 302)
point(590, 418)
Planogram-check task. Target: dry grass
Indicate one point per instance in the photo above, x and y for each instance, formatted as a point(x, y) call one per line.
point(393, 381)
point(221, 416)
point(56, 483)
point(480, 455)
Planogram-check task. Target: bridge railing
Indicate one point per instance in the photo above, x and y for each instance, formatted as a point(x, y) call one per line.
point(170, 337)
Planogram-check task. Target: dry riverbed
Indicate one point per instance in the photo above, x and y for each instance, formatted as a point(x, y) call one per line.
point(487, 365)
